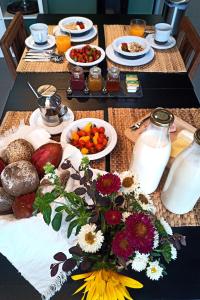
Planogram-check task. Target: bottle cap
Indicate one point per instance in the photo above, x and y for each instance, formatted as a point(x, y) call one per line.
point(114, 72)
point(95, 72)
point(46, 90)
point(161, 117)
point(197, 136)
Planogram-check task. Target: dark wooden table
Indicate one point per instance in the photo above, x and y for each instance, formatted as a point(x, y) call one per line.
point(159, 89)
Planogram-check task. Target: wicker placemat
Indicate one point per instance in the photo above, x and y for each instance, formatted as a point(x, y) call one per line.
point(167, 61)
point(121, 118)
point(12, 120)
point(47, 66)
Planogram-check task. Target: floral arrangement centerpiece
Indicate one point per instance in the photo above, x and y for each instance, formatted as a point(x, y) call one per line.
point(114, 225)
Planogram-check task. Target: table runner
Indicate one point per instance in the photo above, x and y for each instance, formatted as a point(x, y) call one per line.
point(121, 118)
point(12, 119)
point(166, 61)
point(36, 66)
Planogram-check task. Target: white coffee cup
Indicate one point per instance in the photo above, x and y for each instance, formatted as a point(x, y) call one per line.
point(162, 33)
point(39, 32)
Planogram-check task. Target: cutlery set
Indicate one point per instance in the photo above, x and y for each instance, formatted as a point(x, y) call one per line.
point(43, 55)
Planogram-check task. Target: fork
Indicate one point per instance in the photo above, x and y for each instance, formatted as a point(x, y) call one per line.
point(139, 123)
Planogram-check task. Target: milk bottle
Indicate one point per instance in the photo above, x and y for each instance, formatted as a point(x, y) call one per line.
point(182, 187)
point(152, 150)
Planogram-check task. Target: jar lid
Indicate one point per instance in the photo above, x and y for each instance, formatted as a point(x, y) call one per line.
point(47, 90)
point(77, 69)
point(95, 71)
point(197, 136)
point(114, 71)
point(161, 117)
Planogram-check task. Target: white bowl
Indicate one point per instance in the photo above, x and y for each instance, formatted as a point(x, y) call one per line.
point(87, 22)
point(109, 132)
point(130, 39)
point(89, 64)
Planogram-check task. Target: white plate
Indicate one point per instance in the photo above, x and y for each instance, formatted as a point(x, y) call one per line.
point(87, 22)
point(130, 39)
point(109, 132)
point(170, 44)
point(78, 38)
point(31, 44)
point(36, 120)
point(90, 64)
point(121, 60)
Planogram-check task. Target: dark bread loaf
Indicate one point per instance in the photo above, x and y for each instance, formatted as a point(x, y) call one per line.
point(6, 202)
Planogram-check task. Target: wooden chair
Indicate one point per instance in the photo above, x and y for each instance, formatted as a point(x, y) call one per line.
point(13, 41)
point(188, 42)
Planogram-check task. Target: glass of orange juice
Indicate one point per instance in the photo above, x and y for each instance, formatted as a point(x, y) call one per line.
point(137, 27)
point(63, 42)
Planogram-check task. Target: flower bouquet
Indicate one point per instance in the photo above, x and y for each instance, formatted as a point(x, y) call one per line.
point(114, 226)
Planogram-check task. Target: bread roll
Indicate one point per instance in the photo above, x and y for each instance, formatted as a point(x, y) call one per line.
point(19, 150)
point(5, 202)
point(19, 178)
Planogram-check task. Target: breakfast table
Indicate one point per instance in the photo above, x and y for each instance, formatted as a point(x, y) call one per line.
point(164, 84)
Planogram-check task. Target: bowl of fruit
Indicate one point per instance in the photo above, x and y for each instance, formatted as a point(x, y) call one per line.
point(132, 46)
point(93, 137)
point(85, 55)
point(75, 25)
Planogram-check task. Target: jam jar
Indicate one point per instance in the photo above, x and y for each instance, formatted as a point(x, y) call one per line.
point(113, 80)
point(95, 80)
point(77, 79)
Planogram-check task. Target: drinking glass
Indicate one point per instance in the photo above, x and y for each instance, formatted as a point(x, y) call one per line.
point(63, 42)
point(137, 27)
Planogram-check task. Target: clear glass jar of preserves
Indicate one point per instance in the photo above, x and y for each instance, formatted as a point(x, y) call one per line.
point(152, 150)
point(77, 79)
point(113, 80)
point(95, 81)
point(182, 187)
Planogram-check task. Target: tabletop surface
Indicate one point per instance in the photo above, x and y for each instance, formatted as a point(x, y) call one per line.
point(159, 89)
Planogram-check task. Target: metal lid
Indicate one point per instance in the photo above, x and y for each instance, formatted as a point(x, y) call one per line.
point(95, 71)
point(178, 1)
point(47, 90)
point(114, 72)
point(161, 117)
point(197, 136)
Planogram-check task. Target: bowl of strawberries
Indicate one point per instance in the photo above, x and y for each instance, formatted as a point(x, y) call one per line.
point(93, 137)
point(85, 55)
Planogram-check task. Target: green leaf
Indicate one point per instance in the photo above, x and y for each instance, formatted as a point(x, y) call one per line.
point(47, 214)
point(166, 252)
point(70, 217)
point(60, 208)
point(49, 168)
point(71, 227)
point(160, 229)
point(78, 228)
point(56, 222)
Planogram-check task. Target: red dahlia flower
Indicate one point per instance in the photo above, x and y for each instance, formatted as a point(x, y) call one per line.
point(108, 184)
point(113, 217)
point(121, 245)
point(141, 232)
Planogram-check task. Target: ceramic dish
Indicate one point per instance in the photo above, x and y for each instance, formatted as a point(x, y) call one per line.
point(170, 44)
point(87, 64)
point(87, 23)
point(29, 42)
point(131, 39)
point(75, 38)
point(109, 132)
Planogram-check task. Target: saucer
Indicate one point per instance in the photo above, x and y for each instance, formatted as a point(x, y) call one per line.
point(124, 61)
point(170, 44)
point(79, 38)
point(36, 120)
point(31, 44)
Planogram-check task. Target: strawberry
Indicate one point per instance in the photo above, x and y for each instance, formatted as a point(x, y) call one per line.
point(51, 152)
point(23, 206)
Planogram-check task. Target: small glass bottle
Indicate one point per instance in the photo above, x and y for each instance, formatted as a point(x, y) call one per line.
point(113, 80)
point(77, 79)
point(152, 150)
point(182, 187)
point(95, 81)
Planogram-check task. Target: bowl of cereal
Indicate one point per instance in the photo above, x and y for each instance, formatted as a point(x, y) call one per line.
point(131, 46)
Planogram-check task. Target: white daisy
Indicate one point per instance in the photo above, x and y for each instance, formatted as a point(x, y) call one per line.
point(145, 202)
point(140, 261)
point(156, 239)
point(173, 252)
point(128, 181)
point(89, 240)
point(166, 226)
point(125, 215)
point(154, 270)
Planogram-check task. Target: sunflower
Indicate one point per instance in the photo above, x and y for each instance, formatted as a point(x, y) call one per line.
point(106, 284)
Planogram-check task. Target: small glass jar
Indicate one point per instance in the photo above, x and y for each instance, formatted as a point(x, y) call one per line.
point(77, 79)
point(95, 81)
point(113, 80)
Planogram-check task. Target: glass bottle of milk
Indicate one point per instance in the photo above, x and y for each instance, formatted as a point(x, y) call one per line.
point(152, 150)
point(182, 187)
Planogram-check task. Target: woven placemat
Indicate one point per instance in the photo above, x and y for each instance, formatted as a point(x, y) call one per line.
point(121, 118)
point(47, 66)
point(12, 120)
point(165, 61)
